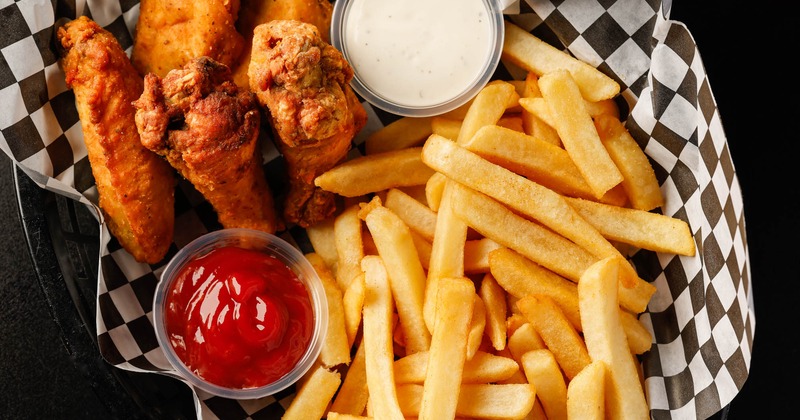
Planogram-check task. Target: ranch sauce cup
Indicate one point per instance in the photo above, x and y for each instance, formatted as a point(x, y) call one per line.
point(418, 57)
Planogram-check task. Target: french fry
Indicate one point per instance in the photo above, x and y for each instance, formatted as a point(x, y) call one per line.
point(638, 178)
point(424, 249)
point(537, 160)
point(514, 321)
point(640, 228)
point(577, 131)
point(434, 189)
point(498, 223)
point(561, 338)
point(482, 368)
point(349, 245)
point(396, 248)
point(448, 349)
point(531, 124)
point(314, 396)
point(539, 108)
point(477, 325)
point(511, 122)
point(332, 415)
point(493, 297)
point(416, 215)
point(524, 339)
point(476, 401)
point(323, 241)
point(379, 354)
point(606, 341)
point(446, 127)
point(606, 107)
point(447, 252)
point(531, 53)
point(476, 255)
point(639, 338)
point(544, 374)
point(399, 134)
point(488, 106)
point(586, 393)
point(353, 394)
point(353, 302)
point(336, 347)
point(368, 174)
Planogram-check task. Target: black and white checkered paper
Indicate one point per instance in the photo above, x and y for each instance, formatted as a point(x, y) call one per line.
point(702, 316)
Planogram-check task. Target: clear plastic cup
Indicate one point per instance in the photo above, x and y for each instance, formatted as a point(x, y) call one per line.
point(254, 240)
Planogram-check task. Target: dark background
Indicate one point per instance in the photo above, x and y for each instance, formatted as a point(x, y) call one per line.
point(43, 376)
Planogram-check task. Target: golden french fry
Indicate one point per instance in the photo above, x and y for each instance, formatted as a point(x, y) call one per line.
point(416, 215)
point(396, 248)
point(336, 347)
point(446, 127)
point(544, 374)
point(531, 53)
point(424, 249)
point(496, 222)
point(539, 108)
point(477, 325)
point(638, 178)
point(523, 195)
point(577, 131)
point(332, 415)
point(537, 160)
point(514, 321)
point(379, 353)
point(494, 299)
point(476, 401)
point(488, 106)
point(399, 134)
point(606, 341)
point(353, 302)
point(561, 338)
point(640, 228)
point(511, 122)
point(531, 124)
point(586, 393)
point(524, 339)
point(447, 252)
point(476, 255)
point(482, 368)
point(323, 241)
point(639, 338)
point(314, 395)
point(349, 245)
point(353, 394)
point(434, 189)
point(448, 349)
point(606, 107)
point(368, 174)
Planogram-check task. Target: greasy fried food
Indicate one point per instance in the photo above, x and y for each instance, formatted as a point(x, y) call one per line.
point(207, 129)
point(170, 33)
point(135, 186)
point(255, 12)
point(303, 84)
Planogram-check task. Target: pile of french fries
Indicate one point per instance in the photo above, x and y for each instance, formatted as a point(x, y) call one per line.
point(477, 268)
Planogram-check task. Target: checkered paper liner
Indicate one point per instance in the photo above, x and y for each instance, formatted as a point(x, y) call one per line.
point(702, 316)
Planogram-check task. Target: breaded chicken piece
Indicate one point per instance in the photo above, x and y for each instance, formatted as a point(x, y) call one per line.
point(303, 84)
point(255, 12)
point(169, 33)
point(136, 187)
point(208, 130)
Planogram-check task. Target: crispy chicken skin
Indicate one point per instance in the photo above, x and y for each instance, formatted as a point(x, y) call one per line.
point(207, 129)
point(302, 82)
point(169, 33)
point(255, 12)
point(135, 186)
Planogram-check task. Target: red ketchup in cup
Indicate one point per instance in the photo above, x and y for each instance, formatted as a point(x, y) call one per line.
point(238, 318)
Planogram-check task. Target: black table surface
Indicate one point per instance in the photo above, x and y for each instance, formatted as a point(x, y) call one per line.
point(47, 372)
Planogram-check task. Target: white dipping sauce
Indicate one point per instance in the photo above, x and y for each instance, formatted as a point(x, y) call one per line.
point(418, 52)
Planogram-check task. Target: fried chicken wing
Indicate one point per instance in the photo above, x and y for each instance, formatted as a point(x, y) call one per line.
point(208, 131)
point(169, 33)
point(303, 83)
point(255, 12)
point(135, 186)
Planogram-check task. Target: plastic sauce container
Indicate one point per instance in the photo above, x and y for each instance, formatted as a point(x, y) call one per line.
point(240, 313)
point(418, 57)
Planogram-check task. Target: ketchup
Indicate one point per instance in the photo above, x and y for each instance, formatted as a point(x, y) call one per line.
point(239, 318)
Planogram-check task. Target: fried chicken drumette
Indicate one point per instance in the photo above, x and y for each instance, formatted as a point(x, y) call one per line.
point(303, 84)
point(135, 186)
point(207, 129)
